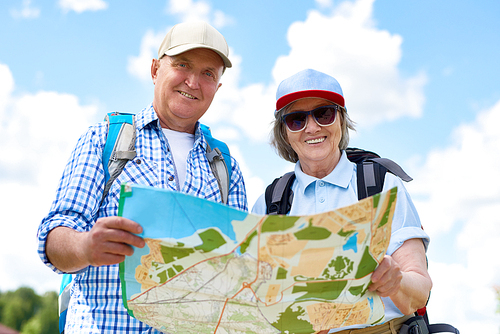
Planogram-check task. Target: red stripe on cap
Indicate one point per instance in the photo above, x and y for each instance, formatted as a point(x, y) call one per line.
point(322, 94)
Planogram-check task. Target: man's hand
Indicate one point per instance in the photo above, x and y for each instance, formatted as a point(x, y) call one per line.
point(108, 242)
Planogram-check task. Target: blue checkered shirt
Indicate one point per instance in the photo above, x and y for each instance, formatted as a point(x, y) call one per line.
point(96, 302)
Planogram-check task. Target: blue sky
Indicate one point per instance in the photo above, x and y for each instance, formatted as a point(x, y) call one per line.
point(419, 78)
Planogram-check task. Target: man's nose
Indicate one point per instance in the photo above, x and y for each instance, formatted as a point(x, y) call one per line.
point(193, 80)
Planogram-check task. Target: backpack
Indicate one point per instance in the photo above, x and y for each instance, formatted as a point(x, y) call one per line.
point(118, 150)
point(371, 170)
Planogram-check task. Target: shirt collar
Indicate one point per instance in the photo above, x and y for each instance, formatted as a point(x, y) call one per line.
point(145, 117)
point(340, 176)
point(199, 139)
point(148, 116)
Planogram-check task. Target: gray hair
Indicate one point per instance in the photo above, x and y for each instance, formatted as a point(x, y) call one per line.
point(279, 138)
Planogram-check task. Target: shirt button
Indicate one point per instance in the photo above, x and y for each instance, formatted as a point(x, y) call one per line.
point(171, 178)
point(322, 200)
point(138, 161)
point(321, 183)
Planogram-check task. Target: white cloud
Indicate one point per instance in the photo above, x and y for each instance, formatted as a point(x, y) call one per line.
point(457, 181)
point(81, 6)
point(37, 134)
point(6, 87)
point(461, 297)
point(140, 66)
point(345, 44)
point(249, 109)
point(253, 183)
point(457, 192)
point(189, 10)
point(325, 3)
point(26, 12)
point(364, 59)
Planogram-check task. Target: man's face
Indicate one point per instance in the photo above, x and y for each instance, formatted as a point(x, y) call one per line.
point(185, 86)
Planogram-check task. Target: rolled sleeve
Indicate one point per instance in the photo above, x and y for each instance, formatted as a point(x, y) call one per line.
point(406, 222)
point(237, 193)
point(79, 191)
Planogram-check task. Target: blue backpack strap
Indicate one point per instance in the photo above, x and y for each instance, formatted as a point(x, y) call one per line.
point(64, 296)
point(119, 147)
point(219, 159)
point(219, 144)
point(115, 121)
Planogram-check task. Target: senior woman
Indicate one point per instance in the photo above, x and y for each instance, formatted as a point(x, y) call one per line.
point(311, 129)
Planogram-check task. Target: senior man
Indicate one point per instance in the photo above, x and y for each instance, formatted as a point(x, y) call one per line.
point(82, 233)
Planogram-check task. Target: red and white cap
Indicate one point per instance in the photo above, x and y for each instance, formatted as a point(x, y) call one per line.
point(308, 83)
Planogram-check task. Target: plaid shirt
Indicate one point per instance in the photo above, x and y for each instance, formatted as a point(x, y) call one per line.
point(96, 302)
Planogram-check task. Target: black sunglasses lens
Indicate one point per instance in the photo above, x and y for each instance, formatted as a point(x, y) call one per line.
point(325, 115)
point(296, 121)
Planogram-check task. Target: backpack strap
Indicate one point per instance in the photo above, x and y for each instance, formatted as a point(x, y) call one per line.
point(63, 300)
point(371, 170)
point(219, 159)
point(279, 195)
point(420, 325)
point(370, 178)
point(119, 147)
point(393, 167)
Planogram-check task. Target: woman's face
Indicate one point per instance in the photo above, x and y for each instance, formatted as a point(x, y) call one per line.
point(316, 146)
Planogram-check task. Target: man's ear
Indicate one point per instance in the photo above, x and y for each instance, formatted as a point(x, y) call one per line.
point(155, 64)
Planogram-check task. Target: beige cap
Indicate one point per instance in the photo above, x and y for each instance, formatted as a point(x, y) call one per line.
point(192, 35)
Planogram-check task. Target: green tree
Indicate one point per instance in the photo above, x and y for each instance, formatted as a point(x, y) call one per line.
point(29, 313)
point(46, 320)
point(17, 307)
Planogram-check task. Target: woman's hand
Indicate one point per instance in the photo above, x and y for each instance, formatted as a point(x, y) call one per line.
point(403, 277)
point(386, 279)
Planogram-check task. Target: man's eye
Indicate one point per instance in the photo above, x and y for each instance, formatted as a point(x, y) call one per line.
point(209, 74)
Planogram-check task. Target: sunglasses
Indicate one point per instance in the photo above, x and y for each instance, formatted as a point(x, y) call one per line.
point(323, 116)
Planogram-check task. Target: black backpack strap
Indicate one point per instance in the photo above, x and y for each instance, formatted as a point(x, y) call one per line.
point(371, 170)
point(279, 195)
point(414, 325)
point(370, 178)
point(420, 325)
point(393, 167)
point(442, 328)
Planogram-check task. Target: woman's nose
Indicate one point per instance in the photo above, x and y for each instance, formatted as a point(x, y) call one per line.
point(311, 125)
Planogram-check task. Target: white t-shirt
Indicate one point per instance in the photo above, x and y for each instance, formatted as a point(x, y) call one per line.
point(180, 143)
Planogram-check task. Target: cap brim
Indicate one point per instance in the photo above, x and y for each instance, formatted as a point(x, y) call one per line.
point(322, 94)
point(186, 47)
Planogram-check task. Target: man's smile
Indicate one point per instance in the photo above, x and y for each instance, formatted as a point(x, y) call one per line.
point(189, 96)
